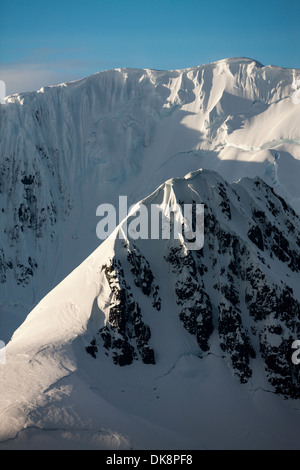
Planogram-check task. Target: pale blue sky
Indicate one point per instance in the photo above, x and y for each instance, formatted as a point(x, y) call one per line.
point(45, 43)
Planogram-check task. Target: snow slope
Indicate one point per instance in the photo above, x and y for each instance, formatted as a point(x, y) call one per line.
point(147, 345)
point(66, 149)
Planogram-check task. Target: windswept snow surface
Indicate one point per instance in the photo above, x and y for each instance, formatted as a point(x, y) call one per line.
point(79, 373)
point(66, 149)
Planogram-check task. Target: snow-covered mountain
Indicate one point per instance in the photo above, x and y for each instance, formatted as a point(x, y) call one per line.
point(66, 149)
point(145, 343)
point(150, 345)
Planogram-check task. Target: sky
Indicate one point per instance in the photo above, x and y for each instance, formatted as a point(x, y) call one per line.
point(49, 42)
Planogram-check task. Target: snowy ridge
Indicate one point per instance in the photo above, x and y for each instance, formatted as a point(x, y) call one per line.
point(116, 348)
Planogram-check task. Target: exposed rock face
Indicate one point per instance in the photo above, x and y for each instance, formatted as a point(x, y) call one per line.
point(143, 276)
point(125, 335)
point(195, 305)
point(32, 203)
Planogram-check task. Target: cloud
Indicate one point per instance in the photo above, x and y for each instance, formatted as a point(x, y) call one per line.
point(30, 77)
point(23, 76)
